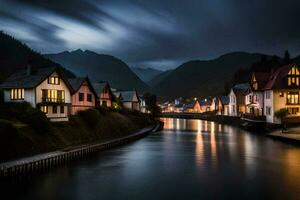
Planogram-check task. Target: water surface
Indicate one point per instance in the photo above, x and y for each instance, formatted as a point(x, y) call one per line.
point(189, 159)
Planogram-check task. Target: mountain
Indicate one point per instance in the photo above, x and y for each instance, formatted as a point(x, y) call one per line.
point(155, 80)
point(146, 74)
point(198, 78)
point(99, 68)
point(14, 55)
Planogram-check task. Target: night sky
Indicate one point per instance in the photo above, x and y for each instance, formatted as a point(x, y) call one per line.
point(155, 33)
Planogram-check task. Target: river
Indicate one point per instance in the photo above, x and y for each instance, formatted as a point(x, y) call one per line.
point(189, 159)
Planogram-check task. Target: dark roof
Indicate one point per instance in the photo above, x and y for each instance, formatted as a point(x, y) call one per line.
point(77, 82)
point(23, 79)
point(277, 78)
point(241, 89)
point(224, 100)
point(261, 79)
point(99, 87)
point(117, 94)
point(127, 96)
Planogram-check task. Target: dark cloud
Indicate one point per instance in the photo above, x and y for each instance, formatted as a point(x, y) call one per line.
point(156, 33)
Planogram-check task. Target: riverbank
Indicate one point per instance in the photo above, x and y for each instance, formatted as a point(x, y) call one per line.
point(26, 132)
point(46, 161)
point(292, 135)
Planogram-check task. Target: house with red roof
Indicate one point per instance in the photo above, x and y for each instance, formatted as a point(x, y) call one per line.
point(282, 91)
point(83, 95)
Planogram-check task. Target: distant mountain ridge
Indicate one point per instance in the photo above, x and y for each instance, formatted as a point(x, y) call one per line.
point(100, 67)
point(146, 74)
point(199, 78)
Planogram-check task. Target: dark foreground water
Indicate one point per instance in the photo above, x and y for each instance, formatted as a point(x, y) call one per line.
point(190, 159)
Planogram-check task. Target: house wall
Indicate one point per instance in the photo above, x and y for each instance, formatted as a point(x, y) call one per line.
point(105, 97)
point(197, 107)
point(29, 96)
point(269, 103)
point(45, 85)
point(232, 104)
point(62, 86)
point(82, 105)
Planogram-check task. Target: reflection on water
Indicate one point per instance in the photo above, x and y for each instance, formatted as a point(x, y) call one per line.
point(189, 159)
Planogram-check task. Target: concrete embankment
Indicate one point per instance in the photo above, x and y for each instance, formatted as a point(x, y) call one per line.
point(291, 136)
point(44, 162)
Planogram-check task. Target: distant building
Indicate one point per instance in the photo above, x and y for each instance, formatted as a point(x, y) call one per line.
point(44, 88)
point(104, 94)
point(130, 100)
point(205, 105)
point(193, 107)
point(222, 105)
point(83, 95)
point(143, 107)
point(237, 103)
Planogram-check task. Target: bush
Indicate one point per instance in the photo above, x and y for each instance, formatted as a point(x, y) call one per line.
point(25, 113)
point(91, 117)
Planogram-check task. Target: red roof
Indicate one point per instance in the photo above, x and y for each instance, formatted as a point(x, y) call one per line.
point(277, 79)
point(261, 79)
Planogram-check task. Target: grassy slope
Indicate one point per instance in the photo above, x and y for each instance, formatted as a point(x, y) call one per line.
point(19, 139)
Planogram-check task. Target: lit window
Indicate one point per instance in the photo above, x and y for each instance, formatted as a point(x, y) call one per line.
point(54, 80)
point(292, 98)
point(17, 94)
point(53, 95)
point(44, 109)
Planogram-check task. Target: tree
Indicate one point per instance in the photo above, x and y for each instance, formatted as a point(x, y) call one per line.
point(151, 104)
point(287, 57)
point(281, 114)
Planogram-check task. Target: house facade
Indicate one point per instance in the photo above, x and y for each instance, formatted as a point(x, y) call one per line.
point(222, 105)
point(130, 100)
point(104, 94)
point(44, 88)
point(193, 107)
point(282, 91)
point(83, 96)
point(205, 105)
point(237, 99)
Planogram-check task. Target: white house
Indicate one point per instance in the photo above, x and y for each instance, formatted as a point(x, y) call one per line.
point(44, 88)
point(130, 100)
point(237, 103)
point(255, 96)
point(282, 91)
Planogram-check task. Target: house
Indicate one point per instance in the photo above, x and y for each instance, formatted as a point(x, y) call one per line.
point(44, 88)
point(83, 95)
point(255, 95)
point(104, 94)
point(193, 107)
point(143, 107)
point(237, 103)
point(222, 105)
point(282, 91)
point(130, 100)
point(213, 105)
point(205, 105)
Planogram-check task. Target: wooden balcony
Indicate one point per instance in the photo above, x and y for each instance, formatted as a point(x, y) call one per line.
point(52, 100)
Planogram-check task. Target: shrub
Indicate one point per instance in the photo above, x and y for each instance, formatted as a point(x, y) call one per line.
point(91, 117)
point(25, 113)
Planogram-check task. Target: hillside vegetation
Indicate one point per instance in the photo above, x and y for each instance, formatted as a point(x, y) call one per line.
point(15, 55)
point(26, 131)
